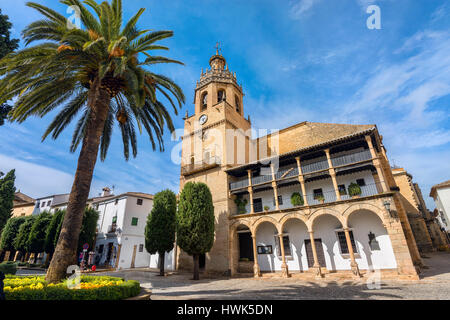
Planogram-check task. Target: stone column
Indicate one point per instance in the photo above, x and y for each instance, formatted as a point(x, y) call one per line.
point(256, 270)
point(333, 175)
point(275, 189)
point(376, 163)
point(250, 190)
point(316, 267)
point(284, 266)
point(301, 179)
point(353, 263)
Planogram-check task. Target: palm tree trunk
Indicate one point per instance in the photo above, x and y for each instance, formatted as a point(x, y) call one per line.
point(196, 273)
point(66, 248)
point(161, 263)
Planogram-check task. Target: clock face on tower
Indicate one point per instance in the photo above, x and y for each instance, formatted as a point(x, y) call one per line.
point(203, 119)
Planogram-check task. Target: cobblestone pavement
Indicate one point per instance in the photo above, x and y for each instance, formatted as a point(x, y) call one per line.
point(434, 284)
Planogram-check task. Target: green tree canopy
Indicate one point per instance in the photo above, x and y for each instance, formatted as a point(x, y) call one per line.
point(10, 232)
point(7, 190)
point(53, 231)
point(160, 228)
point(36, 238)
point(195, 221)
point(6, 46)
point(88, 228)
point(20, 243)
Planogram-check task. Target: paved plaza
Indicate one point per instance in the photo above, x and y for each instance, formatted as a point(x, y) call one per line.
point(434, 284)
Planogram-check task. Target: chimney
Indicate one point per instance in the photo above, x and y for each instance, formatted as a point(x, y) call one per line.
point(106, 192)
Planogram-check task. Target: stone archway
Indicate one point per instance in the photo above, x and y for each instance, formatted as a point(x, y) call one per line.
point(326, 227)
point(374, 247)
point(295, 232)
point(266, 234)
point(234, 246)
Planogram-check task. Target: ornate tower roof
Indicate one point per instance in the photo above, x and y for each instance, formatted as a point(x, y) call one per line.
point(218, 73)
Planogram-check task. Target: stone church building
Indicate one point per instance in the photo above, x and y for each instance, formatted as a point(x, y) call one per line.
point(311, 199)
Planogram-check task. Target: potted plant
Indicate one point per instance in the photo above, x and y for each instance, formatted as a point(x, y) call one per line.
point(296, 199)
point(266, 208)
point(320, 198)
point(240, 203)
point(354, 190)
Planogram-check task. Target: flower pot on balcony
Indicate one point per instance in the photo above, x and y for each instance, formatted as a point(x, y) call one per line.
point(266, 208)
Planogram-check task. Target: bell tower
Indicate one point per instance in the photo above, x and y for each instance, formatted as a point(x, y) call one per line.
point(209, 147)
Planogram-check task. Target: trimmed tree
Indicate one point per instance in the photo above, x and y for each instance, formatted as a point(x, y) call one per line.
point(36, 238)
point(160, 228)
point(10, 232)
point(7, 190)
point(195, 221)
point(52, 231)
point(20, 242)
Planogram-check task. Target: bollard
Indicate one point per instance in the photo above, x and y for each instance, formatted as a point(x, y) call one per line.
point(2, 294)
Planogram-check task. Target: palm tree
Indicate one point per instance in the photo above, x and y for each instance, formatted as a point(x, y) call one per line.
point(97, 73)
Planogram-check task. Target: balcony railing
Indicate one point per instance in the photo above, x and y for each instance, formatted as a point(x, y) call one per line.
point(206, 163)
point(261, 179)
point(112, 228)
point(315, 166)
point(324, 197)
point(311, 169)
point(351, 158)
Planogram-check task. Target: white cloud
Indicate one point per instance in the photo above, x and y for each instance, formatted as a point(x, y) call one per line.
point(299, 8)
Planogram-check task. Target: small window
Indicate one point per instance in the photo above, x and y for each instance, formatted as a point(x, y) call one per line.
point(373, 243)
point(100, 249)
point(360, 182)
point(286, 245)
point(280, 201)
point(257, 205)
point(342, 190)
point(343, 242)
point(238, 104)
point(42, 204)
point(221, 96)
point(204, 102)
point(265, 249)
point(134, 221)
point(116, 201)
point(48, 203)
point(317, 193)
point(114, 219)
point(141, 248)
point(139, 202)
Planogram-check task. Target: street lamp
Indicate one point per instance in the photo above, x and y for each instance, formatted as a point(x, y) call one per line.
point(387, 205)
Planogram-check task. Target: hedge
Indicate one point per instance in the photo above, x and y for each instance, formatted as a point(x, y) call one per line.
point(92, 288)
point(8, 267)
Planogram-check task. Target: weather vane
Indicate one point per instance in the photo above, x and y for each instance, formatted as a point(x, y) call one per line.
point(218, 48)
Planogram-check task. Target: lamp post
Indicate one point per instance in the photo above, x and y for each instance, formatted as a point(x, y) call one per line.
point(387, 205)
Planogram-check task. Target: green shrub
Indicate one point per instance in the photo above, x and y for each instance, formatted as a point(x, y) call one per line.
point(297, 199)
point(36, 288)
point(240, 203)
point(8, 267)
point(354, 189)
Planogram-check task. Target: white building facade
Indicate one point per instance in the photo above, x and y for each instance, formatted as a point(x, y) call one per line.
point(441, 195)
point(120, 242)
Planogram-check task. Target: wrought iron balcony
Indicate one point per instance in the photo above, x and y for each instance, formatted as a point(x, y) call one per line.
point(351, 158)
point(315, 166)
point(112, 228)
point(198, 166)
point(321, 198)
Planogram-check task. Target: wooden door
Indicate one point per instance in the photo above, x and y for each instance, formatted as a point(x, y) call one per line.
point(134, 257)
point(320, 253)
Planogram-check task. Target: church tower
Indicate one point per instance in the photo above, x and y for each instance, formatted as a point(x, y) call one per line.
point(214, 140)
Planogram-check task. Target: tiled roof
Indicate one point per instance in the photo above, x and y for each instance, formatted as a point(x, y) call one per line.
point(438, 186)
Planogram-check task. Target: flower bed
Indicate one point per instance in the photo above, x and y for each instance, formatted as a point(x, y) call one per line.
point(90, 288)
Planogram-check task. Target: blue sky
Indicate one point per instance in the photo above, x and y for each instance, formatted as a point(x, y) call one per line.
point(297, 60)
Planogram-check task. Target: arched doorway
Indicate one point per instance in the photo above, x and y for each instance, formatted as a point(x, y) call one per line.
point(372, 240)
point(295, 232)
point(244, 248)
